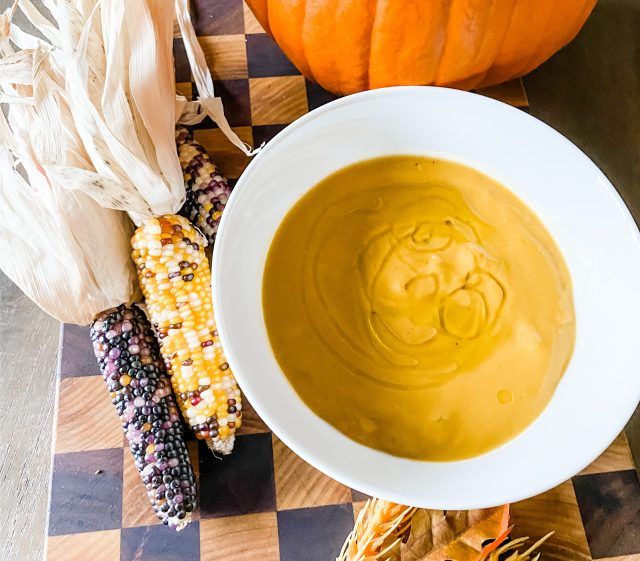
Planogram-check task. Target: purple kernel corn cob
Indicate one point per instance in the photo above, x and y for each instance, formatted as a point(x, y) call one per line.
point(132, 367)
point(207, 191)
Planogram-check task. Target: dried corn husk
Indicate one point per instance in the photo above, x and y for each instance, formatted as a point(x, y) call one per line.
point(208, 104)
point(88, 136)
point(378, 532)
point(72, 257)
point(119, 80)
point(386, 531)
point(65, 251)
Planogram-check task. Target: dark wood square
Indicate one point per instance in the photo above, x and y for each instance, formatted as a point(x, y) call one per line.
point(314, 534)
point(236, 101)
point(159, 543)
point(264, 133)
point(610, 508)
point(86, 492)
point(241, 483)
point(357, 496)
point(217, 17)
point(266, 59)
point(317, 95)
point(183, 70)
point(76, 353)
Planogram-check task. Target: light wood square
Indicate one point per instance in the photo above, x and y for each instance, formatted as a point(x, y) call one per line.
point(556, 510)
point(87, 420)
point(278, 100)
point(251, 24)
point(300, 485)
point(240, 538)
point(96, 546)
point(511, 92)
point(615, 458)
point(136, 506)
point(185, 89)
point(226, 56)
point(229, 159)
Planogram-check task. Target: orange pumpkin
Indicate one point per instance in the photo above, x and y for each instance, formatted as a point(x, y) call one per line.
point(352, 45)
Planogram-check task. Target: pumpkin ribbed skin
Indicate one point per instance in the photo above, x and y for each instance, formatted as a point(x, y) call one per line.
point(352, 45)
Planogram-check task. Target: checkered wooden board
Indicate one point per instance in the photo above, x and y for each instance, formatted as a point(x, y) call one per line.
point(263, 503)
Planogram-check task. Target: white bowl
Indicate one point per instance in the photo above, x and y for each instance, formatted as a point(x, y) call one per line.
point(579, 206)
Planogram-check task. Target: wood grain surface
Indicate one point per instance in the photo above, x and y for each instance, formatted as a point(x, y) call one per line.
point(616, 458)
point(277, 100)
point(559, 510)
point(28, 358)
point(104, 546)
point(86, 420)
point(298, 485)
point(241, 538)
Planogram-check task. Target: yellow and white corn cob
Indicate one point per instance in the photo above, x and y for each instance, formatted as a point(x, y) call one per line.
point(175, 279)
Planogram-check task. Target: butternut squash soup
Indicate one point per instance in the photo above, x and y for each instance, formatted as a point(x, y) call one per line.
point(419, 307)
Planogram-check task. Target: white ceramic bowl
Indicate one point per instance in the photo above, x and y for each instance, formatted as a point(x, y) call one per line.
point(579, 206)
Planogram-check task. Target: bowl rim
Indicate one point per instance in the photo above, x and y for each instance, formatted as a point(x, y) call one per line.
point(281, 431)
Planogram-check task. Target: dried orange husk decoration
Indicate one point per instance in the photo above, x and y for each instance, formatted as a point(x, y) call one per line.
point(454, 534)
point(386, 531)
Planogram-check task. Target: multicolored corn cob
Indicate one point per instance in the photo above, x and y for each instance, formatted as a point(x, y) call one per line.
point(130, 362)
point(175, 280)
point(207, 191)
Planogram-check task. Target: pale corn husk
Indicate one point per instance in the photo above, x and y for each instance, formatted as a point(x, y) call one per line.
point(73, 258)
point(88, 135)
point(116, 62)
point(65, 251)
point(386, 531)
point(118, 67)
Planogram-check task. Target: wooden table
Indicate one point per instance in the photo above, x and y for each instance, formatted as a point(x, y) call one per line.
point(590, 92)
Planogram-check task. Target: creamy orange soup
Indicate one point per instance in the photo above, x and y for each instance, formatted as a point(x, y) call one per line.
point(419, 307)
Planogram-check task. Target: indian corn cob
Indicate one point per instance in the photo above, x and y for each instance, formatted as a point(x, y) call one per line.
point(130, 362)
point(207, 191)
point(175, 279)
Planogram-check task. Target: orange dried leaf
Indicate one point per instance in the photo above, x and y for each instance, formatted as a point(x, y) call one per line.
point(438, 535)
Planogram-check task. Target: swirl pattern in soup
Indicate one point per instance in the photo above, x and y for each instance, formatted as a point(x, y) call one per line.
point(419, 307)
